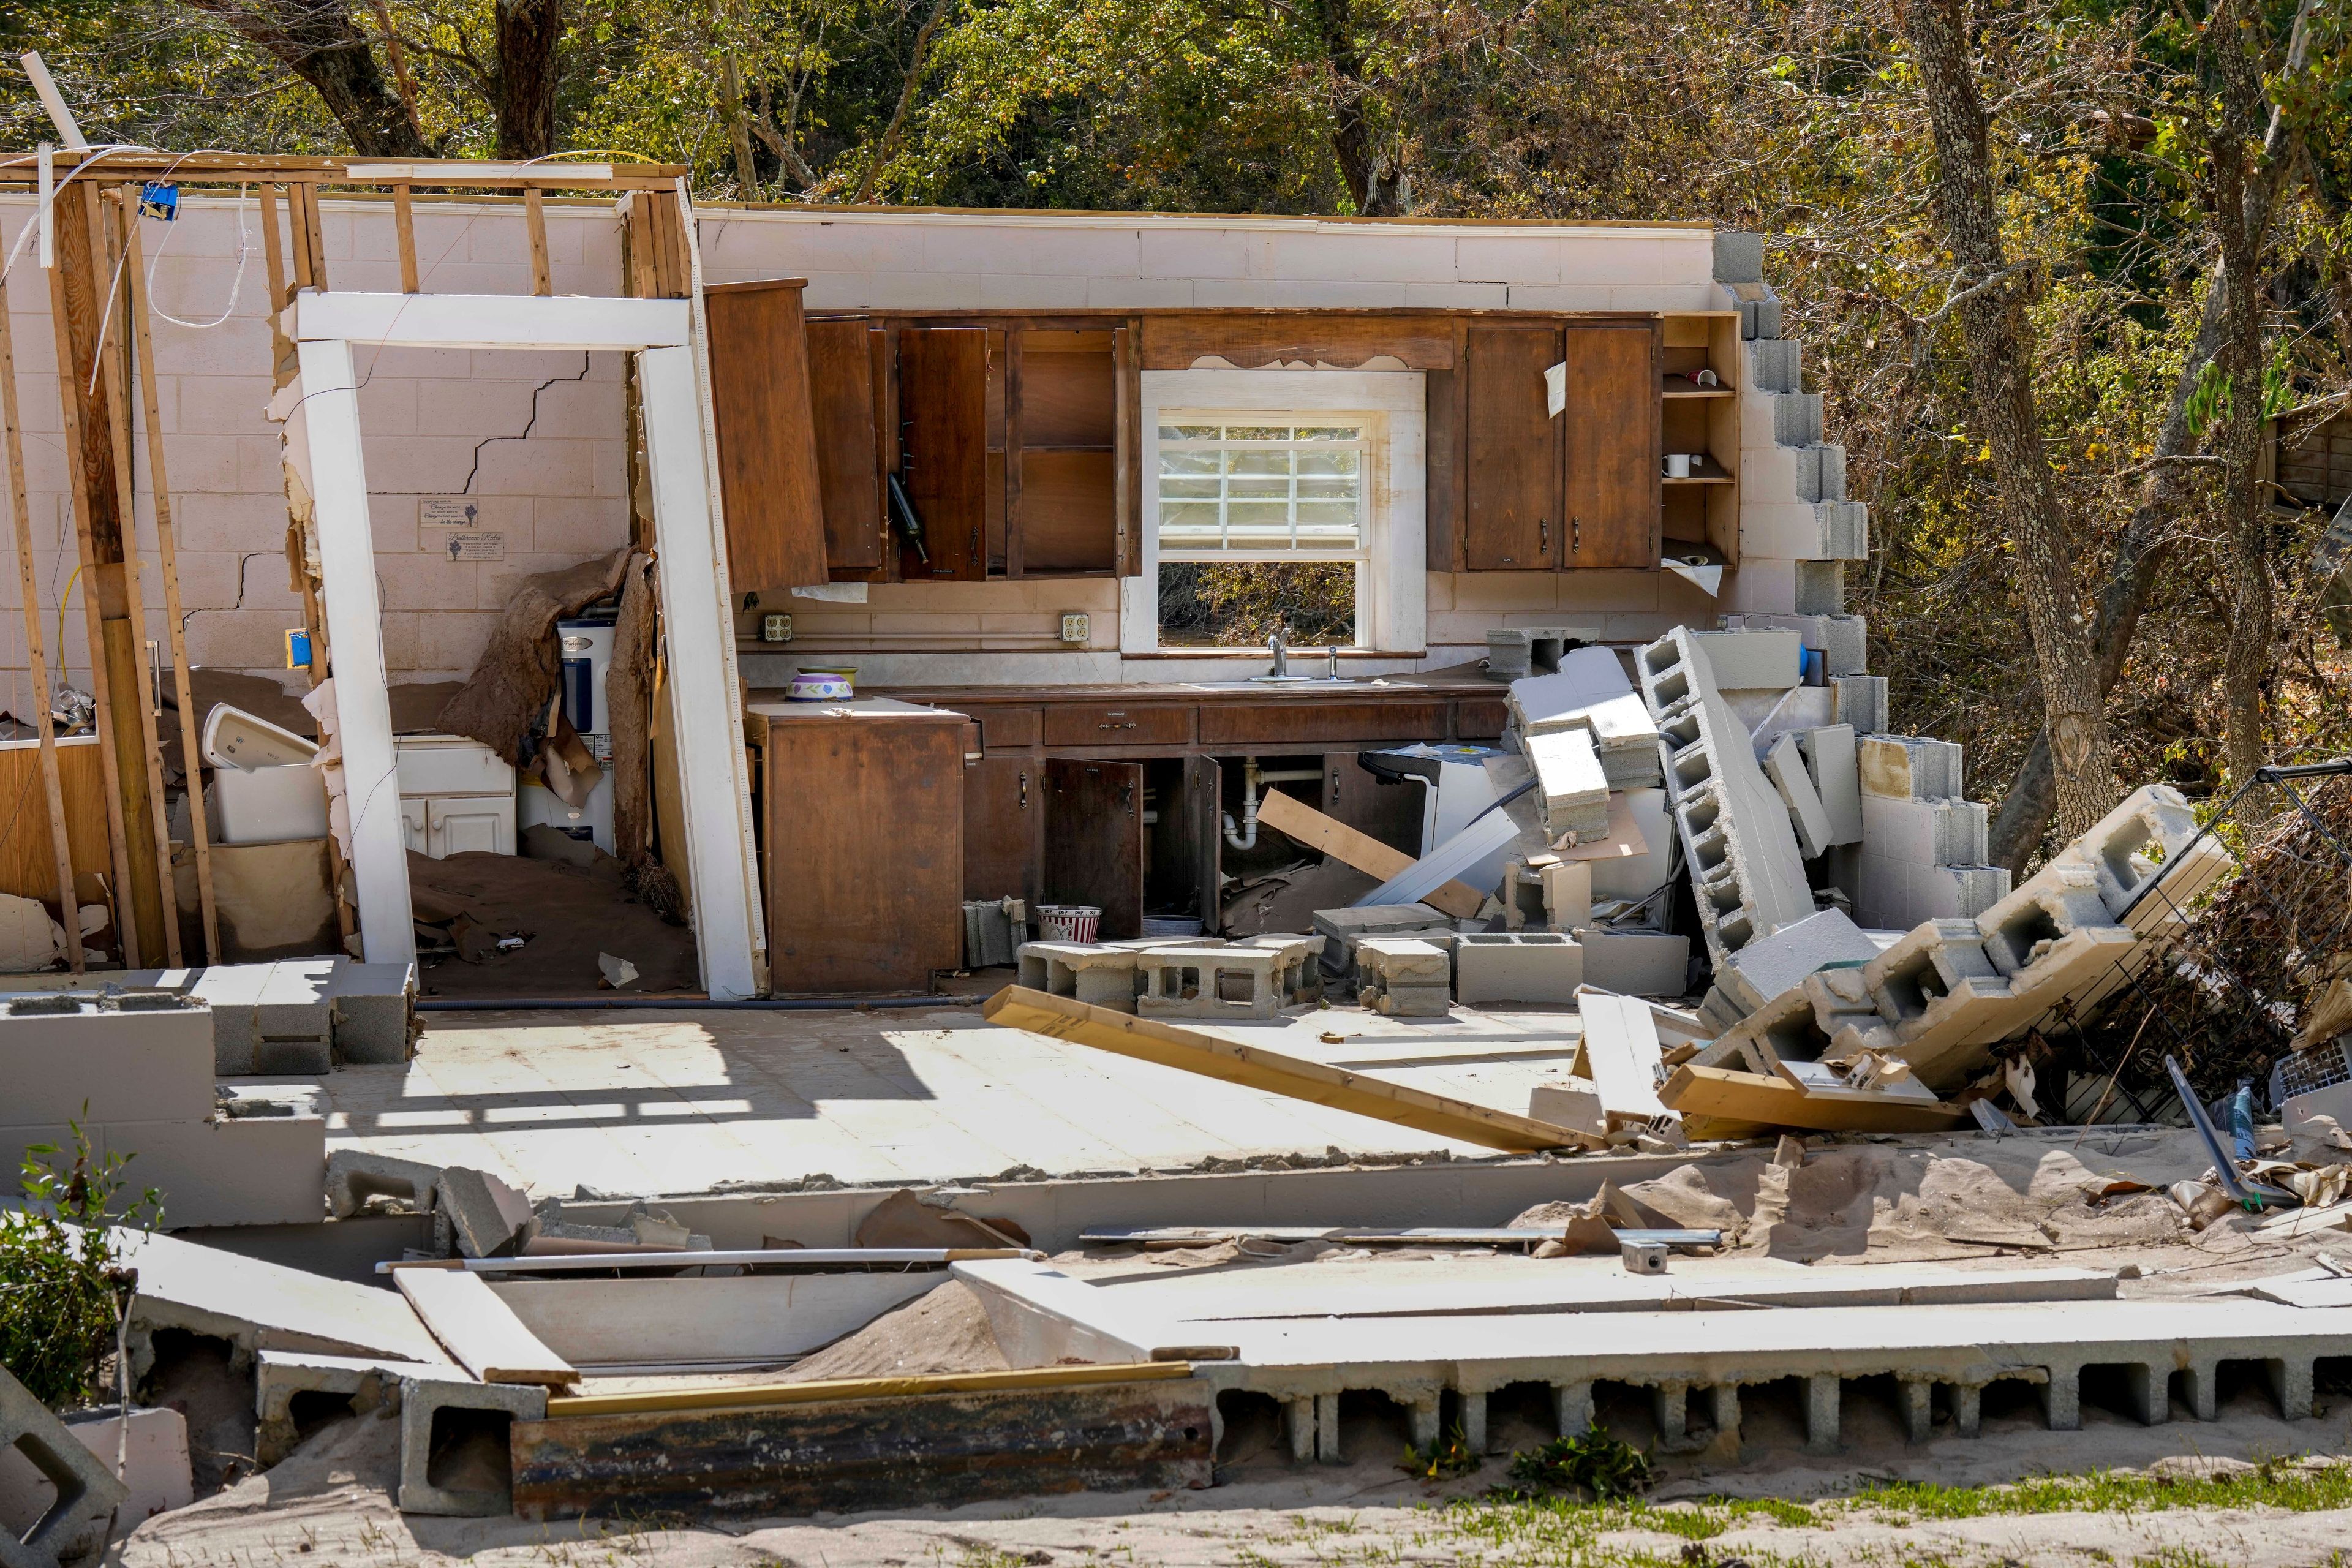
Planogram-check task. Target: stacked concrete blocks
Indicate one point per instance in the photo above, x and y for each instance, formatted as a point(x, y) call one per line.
point(1402, 978)
point(1779, 963)
point(1343, 931)
point(1529, 968)
point(1515, 652)
point(1842, 641)
point(1923, 843)
point(1589, 693)
point(1746, 867)
point(1572, 786)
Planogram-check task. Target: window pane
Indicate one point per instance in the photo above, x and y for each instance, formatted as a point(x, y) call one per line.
point(1191, 432)
point(1327, 525)
point(1325, 433)
point(1191, 462)
point(1341, 461)
point(1240, 604)
point(1258, 460)
point(1326, 490)
point(1258, 433)
point(1258, 490)
point(1175, 489)
point(1189, 525)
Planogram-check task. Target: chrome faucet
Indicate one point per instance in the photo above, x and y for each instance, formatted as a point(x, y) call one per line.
point(1276, 646)
point(1335, 661)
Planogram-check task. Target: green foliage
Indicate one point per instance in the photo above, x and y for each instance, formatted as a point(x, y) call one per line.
point(63, 1286)
point(1591, 1461)
point(1449, 1456)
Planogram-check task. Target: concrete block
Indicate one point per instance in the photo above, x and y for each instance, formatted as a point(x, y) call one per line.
point(1766, 968)
point(297, 1001)
point(1894, 894)
point(1514, 653)
point(1571, 1102)
point(2126, 849)
point(375, 1013)
point(486, 1217)
point(1219, 982)
point(1532, 968)
point(1404, 977)
point(1639, 876)
point(1821, 587)
point(1620, 1047)
point(1568, 894)
point(1909, 767)
point(368, 1384)
point(1746, 871)
point(1574, 791)
point(1796, 418)
point(1843, 525)
point(1099, 975)
point(1842, 641)
point(1635, 963)
point(1834, 760)
point(85, 1492)
point(1785, 765)
point(233, 990)
point(1777, 364)
point(2059, 900)
point(1932, 832)
point(1739, 256)
point(1860, 703)
point(1302, 977)
point(74, 1056)
point(1760, 317)
point(1826, 474)
point(1342, 930)
point(247, 1170)
point(355, 1175)
point(1751, 661)
point(447, 1421)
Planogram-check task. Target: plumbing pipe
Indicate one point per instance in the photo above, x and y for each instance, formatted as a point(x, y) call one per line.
point(1244, 836)
point(681, 1258)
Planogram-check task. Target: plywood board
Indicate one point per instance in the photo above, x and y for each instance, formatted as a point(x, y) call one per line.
point(1192, 1050)
point(1328, 835)
point(480, 1331)
point(1750, 1100)
point(28, 864)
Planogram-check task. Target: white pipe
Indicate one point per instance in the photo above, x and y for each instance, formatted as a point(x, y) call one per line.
point(53, 103)
point(1244, 836)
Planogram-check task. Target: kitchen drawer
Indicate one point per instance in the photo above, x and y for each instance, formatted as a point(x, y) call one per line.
point(1118, 724)
point(1009, 728)
point(1480, 718)
point(1261, 724)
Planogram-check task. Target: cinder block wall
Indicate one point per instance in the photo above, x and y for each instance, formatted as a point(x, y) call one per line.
point(444, 423)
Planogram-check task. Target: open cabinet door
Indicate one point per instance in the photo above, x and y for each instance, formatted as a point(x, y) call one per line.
point(1094, 840)
point(768, 464)
point(1184, 839)
point(848, 450)
point(1204, 794)
point(943, 450)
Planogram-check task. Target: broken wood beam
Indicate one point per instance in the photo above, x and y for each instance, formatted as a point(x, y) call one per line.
point(1328, 835)
point(479, 1331)
point(1254, 1066)
point(1712, 1101)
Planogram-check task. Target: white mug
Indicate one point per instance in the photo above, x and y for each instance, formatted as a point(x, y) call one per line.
point(1678, 465)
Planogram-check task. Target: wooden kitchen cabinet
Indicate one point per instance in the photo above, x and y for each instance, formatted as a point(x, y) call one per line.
point(862, 824)
point(943, 450)
point(1511, 447)
point(1094, 840)
point(1611, 436)
point(848, 446)
point(765, 434)
point(1003, 826)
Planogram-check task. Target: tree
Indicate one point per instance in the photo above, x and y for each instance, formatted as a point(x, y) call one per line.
point(318, 41)
point(1989, 295)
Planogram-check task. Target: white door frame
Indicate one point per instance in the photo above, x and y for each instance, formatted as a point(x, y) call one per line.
point(691, 575)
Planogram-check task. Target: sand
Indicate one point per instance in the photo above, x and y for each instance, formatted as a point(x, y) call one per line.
point(944, 1330)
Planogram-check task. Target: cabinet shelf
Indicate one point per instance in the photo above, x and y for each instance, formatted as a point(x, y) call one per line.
point(1704, 470)
point(1066, 447)
point(1683, 387)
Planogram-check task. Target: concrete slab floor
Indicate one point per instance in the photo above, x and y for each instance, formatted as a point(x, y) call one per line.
point(684, 1102)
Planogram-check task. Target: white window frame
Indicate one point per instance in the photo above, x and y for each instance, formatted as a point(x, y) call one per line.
point(1391, 609)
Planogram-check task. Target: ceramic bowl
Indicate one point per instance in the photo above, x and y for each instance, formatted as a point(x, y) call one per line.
point(820, 686)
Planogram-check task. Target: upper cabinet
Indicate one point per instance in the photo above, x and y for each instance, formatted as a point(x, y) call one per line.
point(1511, 443)
point(765, 435)
point(943, 429)
point(1609, 436)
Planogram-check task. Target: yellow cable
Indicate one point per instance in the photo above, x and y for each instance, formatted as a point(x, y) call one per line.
point(60, 649)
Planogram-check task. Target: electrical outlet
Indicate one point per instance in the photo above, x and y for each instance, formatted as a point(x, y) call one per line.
point(1077, 627)
point(775, 627)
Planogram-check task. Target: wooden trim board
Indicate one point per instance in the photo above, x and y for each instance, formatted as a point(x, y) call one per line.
point(1254, 1067)
point(753, 1396)
point(1314, 830)
point(1751, 1100)
point(479, 1331)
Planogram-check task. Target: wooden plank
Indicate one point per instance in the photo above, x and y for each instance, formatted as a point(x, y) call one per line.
point(313, 239)
point(1611, 431)
point(1094, 839)
point(534, 218)
point(1511, 448)
point(29, 592)
point(143, 344)
point(1128, 462)
point(767, 473)
point(1726, 1100)
point(129, 632)
point(826, 1391)
point(1253, 340)
point(849, 453)
point(479, 1331)
point(281, 347)
point(1203, 804)
point(863, 1452)
point(1254, 1067)
point(74, 318)
point(1312, 830)
point(404, 228)
point(944, 414)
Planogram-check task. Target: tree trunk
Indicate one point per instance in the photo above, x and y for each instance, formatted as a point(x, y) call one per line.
point(2031, 799)
point(2000, 358)
point(739, 128)
point(1374, 184)
point(321, 44)
point(529, 32)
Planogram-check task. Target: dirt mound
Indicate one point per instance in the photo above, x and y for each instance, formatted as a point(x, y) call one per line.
point(944, 1331)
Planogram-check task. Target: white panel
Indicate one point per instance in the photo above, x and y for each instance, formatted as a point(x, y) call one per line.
point(355, 633)
point(489, 321)
point(698, 629)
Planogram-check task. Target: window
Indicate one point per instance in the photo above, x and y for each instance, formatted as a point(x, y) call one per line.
point(1261, 527)
point(1288, 499)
